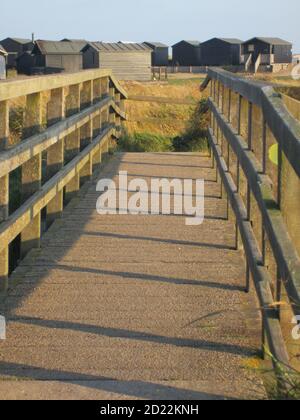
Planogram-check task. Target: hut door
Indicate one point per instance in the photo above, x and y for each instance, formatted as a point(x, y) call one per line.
point(2, 68)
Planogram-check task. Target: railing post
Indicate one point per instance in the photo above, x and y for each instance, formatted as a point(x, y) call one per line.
point(32, 173)
point(33, 115)
point(72, 148)
point(55, 162)
point(122, 104)
point(112, 116)
point(87, 170)
point(97, 90)
point(87, 95)
point(118, 98)
point(4, 124)
point(96, 158)
point(4, 254)
point(73, 100)
point(56, 109)
point(112, 91)
point(4, 194)
point(55, 154)
point(105, 86)
point(86, 134)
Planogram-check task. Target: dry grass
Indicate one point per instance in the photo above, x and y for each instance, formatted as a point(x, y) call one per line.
point(284, 83)
point(157, 118)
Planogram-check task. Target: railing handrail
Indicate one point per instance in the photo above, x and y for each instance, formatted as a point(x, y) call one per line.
point(286, 131)
point(11, 89)
point(17, 155)
point(67, 122)
point(282, 123)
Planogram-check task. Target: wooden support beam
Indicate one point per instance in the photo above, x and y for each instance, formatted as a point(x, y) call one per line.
point(31, 183)
point(4, 254)
point(73, 100)
point(33, 115)
point(86, 95)
point(86, 134)
point(4, 124)
point(87, 170)
point(56, 109)
point(55, 162)
point(72, 148)
point(97, 94)
point(105, 87)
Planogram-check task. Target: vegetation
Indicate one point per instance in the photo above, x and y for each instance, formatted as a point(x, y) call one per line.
point(161, 127)
point(283, 83)
point(289, 387)
point(194, 139)
point(145, 142)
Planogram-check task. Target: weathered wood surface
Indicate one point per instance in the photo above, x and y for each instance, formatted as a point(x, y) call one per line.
point(255, 138)
point(133, 306)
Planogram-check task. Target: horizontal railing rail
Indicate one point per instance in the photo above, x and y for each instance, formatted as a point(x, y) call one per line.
point(255, 141)
point(54, 132)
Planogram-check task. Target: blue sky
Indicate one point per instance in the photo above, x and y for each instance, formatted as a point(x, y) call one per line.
point(155, 20)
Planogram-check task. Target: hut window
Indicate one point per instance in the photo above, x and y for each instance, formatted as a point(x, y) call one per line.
point(251, 48)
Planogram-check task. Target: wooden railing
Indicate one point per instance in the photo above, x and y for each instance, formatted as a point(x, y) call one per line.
point(255, 142)
point(54, 131)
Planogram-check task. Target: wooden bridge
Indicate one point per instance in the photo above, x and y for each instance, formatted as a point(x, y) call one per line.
point(124, 306)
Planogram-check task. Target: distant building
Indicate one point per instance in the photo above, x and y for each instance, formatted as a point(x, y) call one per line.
point(128, 61)
point(160, 53)
point(267, 51)
point(187, 53)
point(3, 55)
point(51, 57)
point(15, 47)
point(221, 52)
point(296, 58)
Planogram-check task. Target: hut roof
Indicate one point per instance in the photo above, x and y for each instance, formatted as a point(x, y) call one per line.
point(192, 43)
point(119, 47)
point(22, 41)
point(271, 41)
point(156, 44)
point(56, 47)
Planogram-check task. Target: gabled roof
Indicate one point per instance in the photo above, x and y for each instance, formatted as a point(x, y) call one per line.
point(233, 41)
point(56, 47)
point(74, 40)
point(156, 44)
point(193, 43)
point(22, 41)
point(119, 47)
point(2, 50)
point(271, 41)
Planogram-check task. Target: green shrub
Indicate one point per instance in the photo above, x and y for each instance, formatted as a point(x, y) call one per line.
point(144, 142)
point(289, 388)
point(195, 137)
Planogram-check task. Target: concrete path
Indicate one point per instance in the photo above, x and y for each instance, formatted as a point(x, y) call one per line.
point(131, 307)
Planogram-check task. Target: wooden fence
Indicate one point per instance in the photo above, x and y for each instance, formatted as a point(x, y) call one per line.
point(256, 146)
point(53, 133)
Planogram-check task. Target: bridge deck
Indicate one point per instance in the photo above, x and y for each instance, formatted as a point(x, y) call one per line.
point(144, 299)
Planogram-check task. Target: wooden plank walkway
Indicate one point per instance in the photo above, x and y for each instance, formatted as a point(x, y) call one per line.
point(133, 307)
